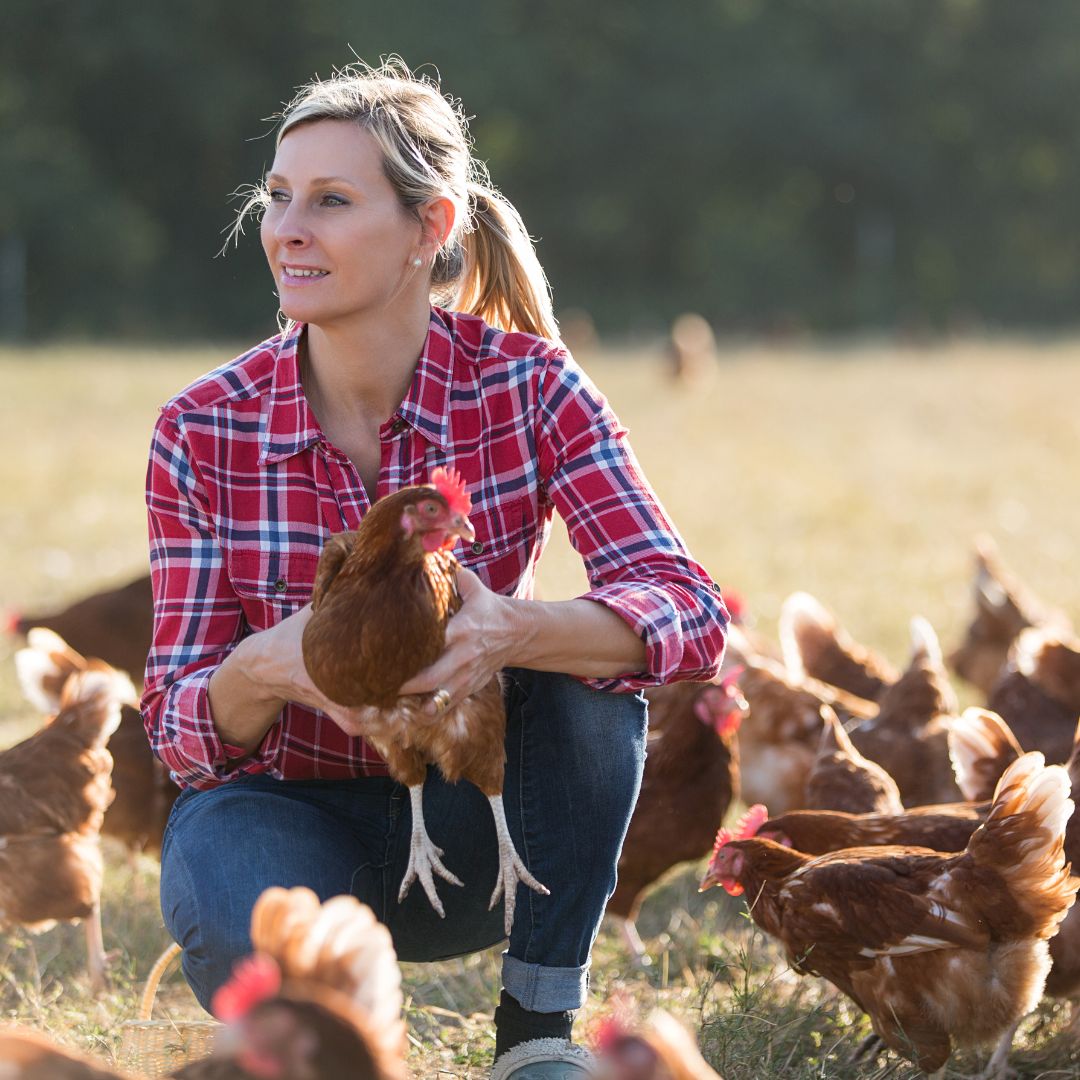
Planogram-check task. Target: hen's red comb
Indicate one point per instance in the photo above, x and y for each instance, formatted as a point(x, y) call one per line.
point(746, 827)
point(735, 604)
point(448, 483)
point(608, 1032)
point(732, 677)
point(254, 979)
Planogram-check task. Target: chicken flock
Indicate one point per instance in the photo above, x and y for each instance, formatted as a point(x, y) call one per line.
point(916, 856)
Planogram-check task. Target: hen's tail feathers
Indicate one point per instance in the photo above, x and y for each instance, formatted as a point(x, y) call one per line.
point(806, 626)
point(924, 642)
point(338, 945)
point(981, 748)
point(96, 695)
point(43, 667)
point(1023, 837)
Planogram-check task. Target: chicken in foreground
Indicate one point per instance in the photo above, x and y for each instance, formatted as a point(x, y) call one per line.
point(320, 998)
point(1038, 695)
point(383, 597)
point(27, 1055)
point(691, 777)
point(816, 646)
point(842, 779)
point(936, 949)
point(1003, 607)
point(115, 625)
point(144, 790)
point(54, 790)
point(909, 737)
point(661, 1050)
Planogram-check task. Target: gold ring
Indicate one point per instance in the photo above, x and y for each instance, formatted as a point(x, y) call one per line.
point(441, 697)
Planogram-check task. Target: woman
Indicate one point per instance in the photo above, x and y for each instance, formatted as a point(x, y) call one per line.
point(374, 209)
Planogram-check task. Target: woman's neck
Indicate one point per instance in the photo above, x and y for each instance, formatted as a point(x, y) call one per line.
point(364, 366)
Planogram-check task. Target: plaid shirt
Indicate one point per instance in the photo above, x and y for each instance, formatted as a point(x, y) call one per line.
point(243, 489)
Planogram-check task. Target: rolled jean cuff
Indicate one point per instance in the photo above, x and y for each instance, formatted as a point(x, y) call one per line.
point(545, 989)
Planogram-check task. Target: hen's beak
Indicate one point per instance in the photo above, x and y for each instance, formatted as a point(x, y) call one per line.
point(710, 879)
point(462, 526)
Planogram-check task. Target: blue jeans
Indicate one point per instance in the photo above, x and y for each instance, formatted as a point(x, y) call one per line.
point(573, 770)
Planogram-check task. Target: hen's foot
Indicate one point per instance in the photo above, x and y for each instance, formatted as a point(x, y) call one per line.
point(511, 868)
point(424, 857)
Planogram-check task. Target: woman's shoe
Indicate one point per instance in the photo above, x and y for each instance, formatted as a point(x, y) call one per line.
point(544, 1059)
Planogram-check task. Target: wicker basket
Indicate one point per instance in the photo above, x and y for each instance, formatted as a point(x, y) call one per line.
point(159, 1047)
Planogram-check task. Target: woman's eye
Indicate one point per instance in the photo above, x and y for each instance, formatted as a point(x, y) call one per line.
point(277, 195)
point(334, 200)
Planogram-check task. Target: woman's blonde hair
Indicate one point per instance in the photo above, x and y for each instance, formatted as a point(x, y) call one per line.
point(487, 266)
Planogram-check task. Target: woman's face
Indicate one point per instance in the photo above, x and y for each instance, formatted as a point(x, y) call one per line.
point(338, 241)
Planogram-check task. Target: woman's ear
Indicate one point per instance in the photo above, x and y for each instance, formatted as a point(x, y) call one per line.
point(437, 219)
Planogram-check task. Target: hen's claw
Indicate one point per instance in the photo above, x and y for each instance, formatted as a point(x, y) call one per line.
point(511, 868)
point(424, 857)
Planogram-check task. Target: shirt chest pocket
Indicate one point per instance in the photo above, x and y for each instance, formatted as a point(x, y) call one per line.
point(271, 585)
point(505, 534)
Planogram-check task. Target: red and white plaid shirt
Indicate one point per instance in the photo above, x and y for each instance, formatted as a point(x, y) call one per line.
point(243, 489)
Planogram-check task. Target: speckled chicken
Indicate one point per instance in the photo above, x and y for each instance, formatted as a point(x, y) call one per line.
point(935, 948)
point(382, 599)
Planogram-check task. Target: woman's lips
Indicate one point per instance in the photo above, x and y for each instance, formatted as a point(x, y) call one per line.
point(296, 277)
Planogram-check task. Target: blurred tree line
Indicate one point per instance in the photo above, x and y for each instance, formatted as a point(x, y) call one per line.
point(822, 163)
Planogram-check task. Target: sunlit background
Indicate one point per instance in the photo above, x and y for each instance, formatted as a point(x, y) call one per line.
point(870, 209)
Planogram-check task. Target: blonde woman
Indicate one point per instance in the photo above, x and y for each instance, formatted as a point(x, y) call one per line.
point(420, 333)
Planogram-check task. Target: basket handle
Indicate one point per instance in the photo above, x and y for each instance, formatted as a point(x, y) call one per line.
point(146, 1006)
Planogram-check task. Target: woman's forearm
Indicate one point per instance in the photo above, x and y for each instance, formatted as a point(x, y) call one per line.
point(242, 706)
point(577, 637)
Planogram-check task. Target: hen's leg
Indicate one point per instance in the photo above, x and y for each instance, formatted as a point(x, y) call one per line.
point(95, 949)
point(424, 856)
point(511, 868)
point(632, 940)
point(997, 1068)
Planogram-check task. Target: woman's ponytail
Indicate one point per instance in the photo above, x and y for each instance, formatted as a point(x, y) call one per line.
point(502, 280)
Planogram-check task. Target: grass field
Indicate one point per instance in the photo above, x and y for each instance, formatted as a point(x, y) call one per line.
point(859, 473)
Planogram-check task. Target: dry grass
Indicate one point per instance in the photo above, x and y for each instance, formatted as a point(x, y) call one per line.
point(858, 473)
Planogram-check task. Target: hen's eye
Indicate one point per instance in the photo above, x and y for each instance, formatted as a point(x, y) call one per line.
point(430, 509)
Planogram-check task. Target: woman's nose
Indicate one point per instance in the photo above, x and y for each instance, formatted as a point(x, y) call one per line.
point(291, 226)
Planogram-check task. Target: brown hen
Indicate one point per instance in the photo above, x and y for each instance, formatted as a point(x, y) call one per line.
point(383, 597)
point(816, 646)
point(661, 1049)
point(54, 790)
point(1038, 696)
point(144, 790)
point(320, 998)
point(909, 737)
point(114, 625)
point(691, 777)
point(842, 779)
point(1003, 607)
point(934, 948)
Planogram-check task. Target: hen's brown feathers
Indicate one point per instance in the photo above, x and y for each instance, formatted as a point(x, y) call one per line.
point(842, 779)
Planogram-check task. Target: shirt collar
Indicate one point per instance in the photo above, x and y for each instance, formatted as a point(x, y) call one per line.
point(291, 425)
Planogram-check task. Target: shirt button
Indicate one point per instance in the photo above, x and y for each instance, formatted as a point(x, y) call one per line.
point(398, 426)
point(281, 584)
point(476, 547)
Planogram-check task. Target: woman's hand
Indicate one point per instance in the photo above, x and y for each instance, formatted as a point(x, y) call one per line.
point(481, 638)
point(277, 666)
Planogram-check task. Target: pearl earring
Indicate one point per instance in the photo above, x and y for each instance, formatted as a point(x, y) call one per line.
point(416, 261)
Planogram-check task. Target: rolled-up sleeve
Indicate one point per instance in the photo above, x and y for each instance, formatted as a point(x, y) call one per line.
point(637, 563)
point(198, 621)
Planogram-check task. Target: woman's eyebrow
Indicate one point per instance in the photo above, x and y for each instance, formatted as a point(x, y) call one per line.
point(318, 181)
